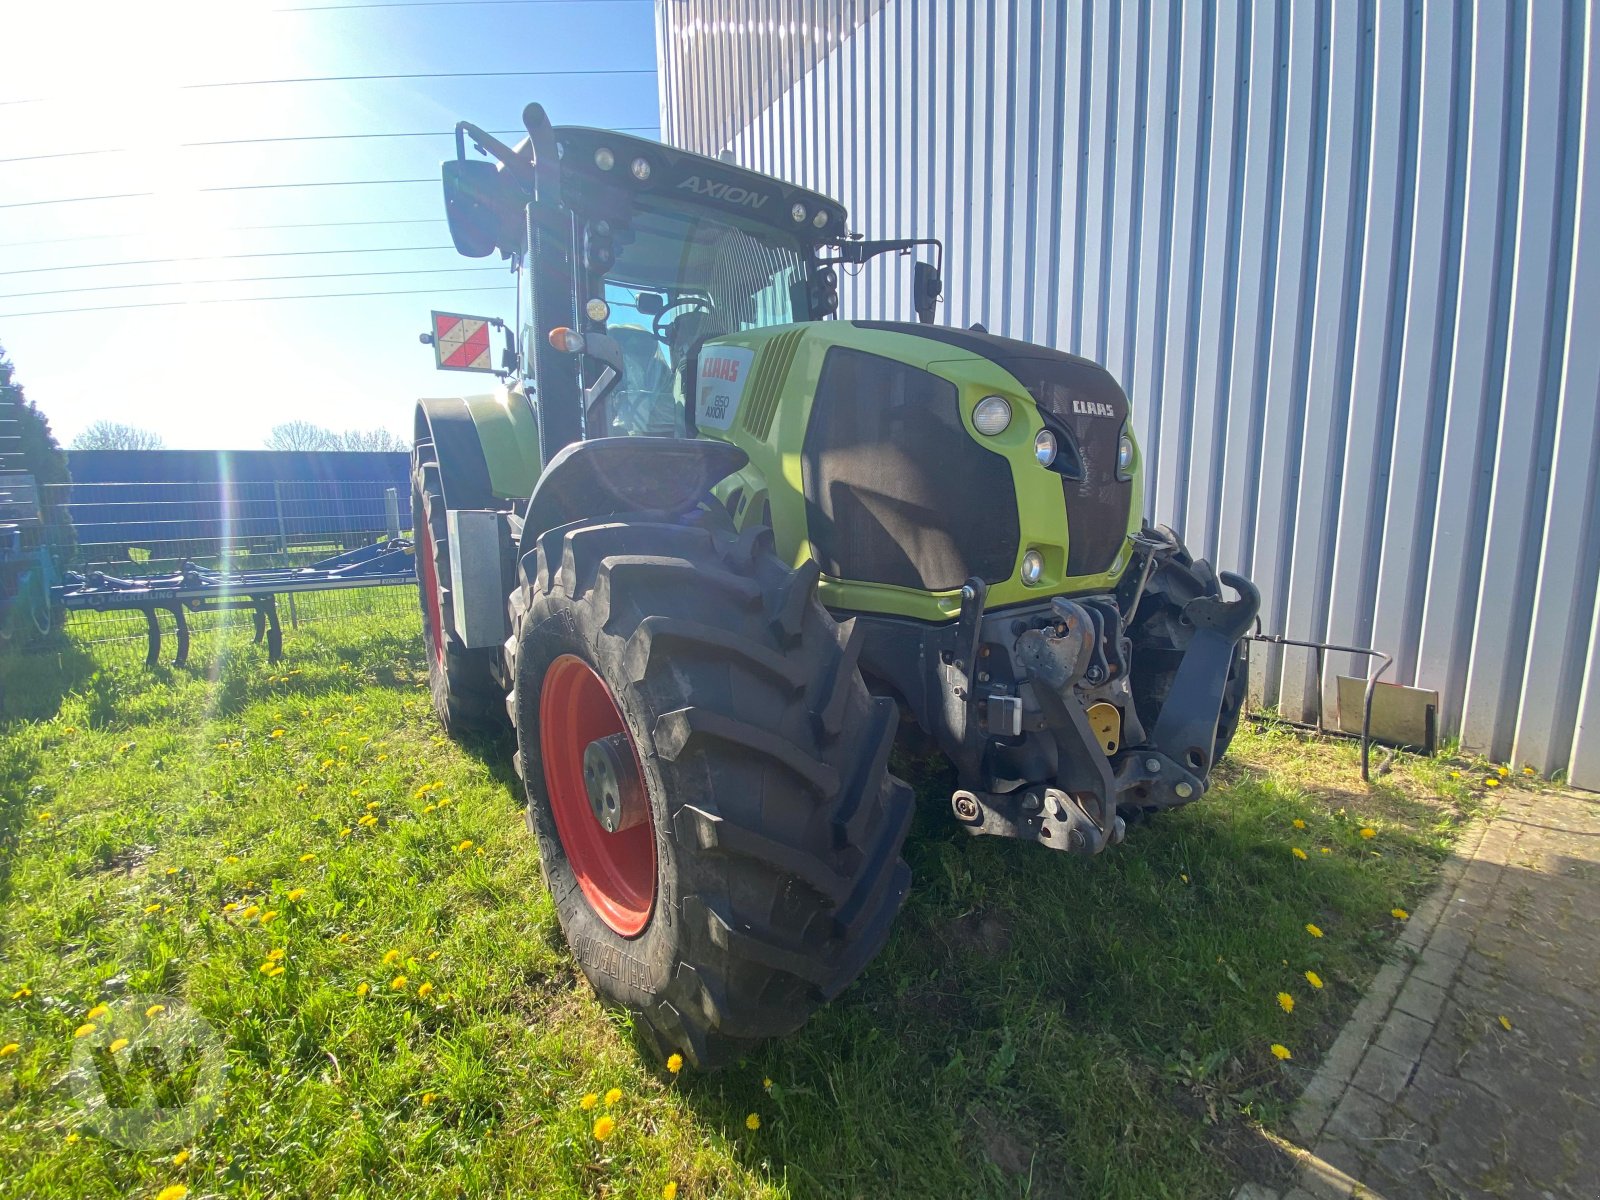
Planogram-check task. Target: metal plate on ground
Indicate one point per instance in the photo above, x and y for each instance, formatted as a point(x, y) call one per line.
point(1401, 716)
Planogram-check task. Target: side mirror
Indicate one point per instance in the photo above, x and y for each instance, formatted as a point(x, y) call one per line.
point(482, 207)
point(649, 304)
point(926, 287)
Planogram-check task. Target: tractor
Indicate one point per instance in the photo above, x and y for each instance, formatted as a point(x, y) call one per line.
point(709, 545)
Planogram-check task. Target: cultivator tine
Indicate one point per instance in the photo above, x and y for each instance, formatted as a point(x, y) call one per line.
point(181, 659)
point(152, 633)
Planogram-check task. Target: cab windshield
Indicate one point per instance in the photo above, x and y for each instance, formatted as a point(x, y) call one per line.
point(683, 275)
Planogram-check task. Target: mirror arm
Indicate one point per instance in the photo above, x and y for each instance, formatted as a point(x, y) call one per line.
point(518, 167)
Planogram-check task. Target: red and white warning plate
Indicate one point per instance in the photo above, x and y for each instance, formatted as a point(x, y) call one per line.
point(461, 343)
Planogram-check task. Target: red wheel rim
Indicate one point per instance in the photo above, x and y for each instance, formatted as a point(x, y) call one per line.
point(430, 588)
point(617, 871)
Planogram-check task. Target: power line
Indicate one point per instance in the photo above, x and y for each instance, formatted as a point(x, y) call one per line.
point(240, 187)
point(443, 4)
point(123, 287)
point(227, 83)
point(50, 312)
point(150, 262)
point(96, 237)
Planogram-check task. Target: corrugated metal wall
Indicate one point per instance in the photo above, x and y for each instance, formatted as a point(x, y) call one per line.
point(1344, 255)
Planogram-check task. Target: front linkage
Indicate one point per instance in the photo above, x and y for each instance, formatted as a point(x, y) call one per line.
point(1063, 717)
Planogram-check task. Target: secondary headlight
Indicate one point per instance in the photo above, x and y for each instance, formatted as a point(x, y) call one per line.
point(1032, 567)
point(1044, 447)
point(991, 415)
point(1125, 456)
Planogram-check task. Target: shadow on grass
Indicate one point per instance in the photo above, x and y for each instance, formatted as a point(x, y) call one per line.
point(1045, 1025)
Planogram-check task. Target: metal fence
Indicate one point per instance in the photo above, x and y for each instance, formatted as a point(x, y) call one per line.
point(152, 527)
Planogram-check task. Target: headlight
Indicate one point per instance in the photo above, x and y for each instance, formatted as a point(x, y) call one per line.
point(1032, 567)
point(798, 212)
point(1124, 456)
point(1044, 447)
point(991, 415)
point(604, 159)
point(641, 169)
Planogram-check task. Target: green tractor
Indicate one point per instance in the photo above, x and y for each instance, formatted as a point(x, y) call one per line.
point(711, 546)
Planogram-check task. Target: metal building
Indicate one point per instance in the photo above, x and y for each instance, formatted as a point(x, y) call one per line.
point(1343, 254)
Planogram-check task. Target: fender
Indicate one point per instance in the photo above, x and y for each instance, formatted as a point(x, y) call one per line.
point(603, 477)
point(488, 446)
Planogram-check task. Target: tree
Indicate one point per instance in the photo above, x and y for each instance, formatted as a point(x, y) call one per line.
point(40, 456)
point(301, 435)
point(113, 435)
point(372, 440)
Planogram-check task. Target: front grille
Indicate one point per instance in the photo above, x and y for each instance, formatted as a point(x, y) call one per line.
point(1081, 397)
point(897, 491)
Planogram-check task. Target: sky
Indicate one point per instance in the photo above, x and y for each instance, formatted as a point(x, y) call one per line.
point(205, 371)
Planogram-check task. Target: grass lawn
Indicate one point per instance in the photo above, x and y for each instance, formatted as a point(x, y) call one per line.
point(1038, 1025)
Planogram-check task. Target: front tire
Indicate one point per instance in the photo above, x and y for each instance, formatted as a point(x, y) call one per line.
point(773, 825)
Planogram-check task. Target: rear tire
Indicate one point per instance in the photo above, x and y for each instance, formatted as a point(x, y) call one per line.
point(466, 696)
point(776, 827)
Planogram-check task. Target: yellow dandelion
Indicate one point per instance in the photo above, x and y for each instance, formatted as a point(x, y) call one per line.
point(1325, 850)
point(44, 816)
point(372, 804)
point(1529, 771)
point(1369, 833)
point(253, 910)
point(327, 762)
point(22, 992)
point(674, 1063)
point(589, 1100)
point(424, 989)
point(445, 801)
point(155, 1010)
point(70, 729)
point(305, 858)
point(1314, 980)
point(466, 844)
point(1503, 771)
point(428, 808)
point(276, 733)
point(9, 1049)
point(427, 1098)
point(766, 1086)
point(382, 757)
point(1299, 824)
point(1313, 930)
point(173, 870)
point(669, 1190)
point(1286, 1002)
point(1505, 1022)
point(74, 1137)
point(433, 956)
point(98, 1011)
point(1297, 852)
point(118, 1044)
point(343, 937)
point(1185, 878)
point(1491, 781)
point(345, 832)
point(295, 894)
point(391, 957)
point(369, 819)
point(173, 1191)
point(398, 983)
point(363, 988)
point(613, 1096)
point(266, 967)
point(268, 916)
point(1399, 914)
point(1281, 1053)
point(753, 1121)
point(232, 858)
point(181, 1157)
point(84, 1030)
point(603, 1128)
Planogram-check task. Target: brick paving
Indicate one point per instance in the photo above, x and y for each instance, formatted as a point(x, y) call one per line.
point(1426, 1093)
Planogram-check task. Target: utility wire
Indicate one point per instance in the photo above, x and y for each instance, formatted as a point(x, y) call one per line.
point(443, 4)
point(227, 83)
point(241, 187)
point(122, 287)
point(97, 237)
point(150, 262)
point(49, 312)
point(310, 137)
